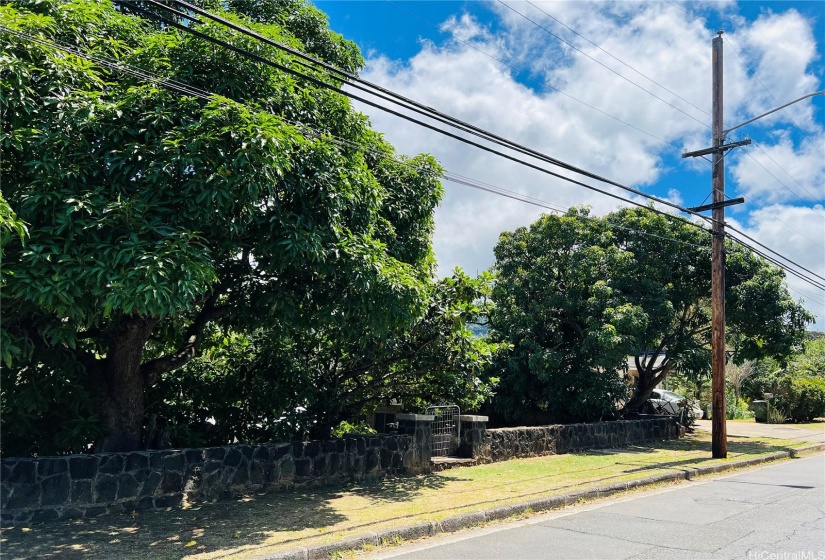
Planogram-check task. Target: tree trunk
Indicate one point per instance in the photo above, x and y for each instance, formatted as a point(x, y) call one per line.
point(647, 381)
point(123, 386)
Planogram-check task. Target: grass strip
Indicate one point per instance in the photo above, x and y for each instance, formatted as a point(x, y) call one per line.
point(264, 524)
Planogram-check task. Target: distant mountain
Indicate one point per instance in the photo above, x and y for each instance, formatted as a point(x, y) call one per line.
point(479, 331)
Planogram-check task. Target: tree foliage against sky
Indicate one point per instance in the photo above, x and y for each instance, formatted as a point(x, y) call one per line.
point(152, 215)
point(576, 295)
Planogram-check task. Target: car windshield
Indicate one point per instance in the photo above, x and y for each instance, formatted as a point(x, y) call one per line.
point(671, 396)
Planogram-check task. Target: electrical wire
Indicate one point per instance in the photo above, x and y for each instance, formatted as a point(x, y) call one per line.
point(780, 255)
point(602, 64)
point(203, 94)
point(218, 19)
point(407, 104)
point(508, 143)
point(761, 83)
point(473, 183)
point(778, 180)
point(200, 93)
point(618, 59)
point(767, 155)
point(810, 297)
point(520, 71)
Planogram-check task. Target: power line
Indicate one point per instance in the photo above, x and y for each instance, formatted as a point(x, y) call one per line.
point(405, 103)
point(761, 83)
point(767, 155)
point(780, 255)
point(778, 264)
point(778, 180)
point(519, 71)
point(481, 131)
point(602, 64)
point(678, 8)
point(200, 93)
point(784, 223)
point(618, 59)
point(473, 183)
point(187, 89)
point(811, 297)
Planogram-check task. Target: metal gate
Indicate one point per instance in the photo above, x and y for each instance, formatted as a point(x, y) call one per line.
point(446, 429)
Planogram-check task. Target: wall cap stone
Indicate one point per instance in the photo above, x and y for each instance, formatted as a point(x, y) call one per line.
point(473, 418)
point(415, 417)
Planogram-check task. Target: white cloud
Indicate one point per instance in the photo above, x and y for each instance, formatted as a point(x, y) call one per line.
point(782, 172)
point(799, 234)
point(779, 50)
point(464, 28)
point(657, 39)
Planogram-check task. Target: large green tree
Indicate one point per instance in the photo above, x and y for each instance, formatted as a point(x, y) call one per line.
point(569, 328)
point(576, 295)
point(152, 215)
point(270, 383)
point(669, 279)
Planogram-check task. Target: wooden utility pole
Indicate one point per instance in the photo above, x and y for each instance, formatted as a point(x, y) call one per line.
point(719, 428)
point(717, 270)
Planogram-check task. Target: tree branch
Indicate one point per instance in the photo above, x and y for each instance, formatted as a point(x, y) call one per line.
point(189, 348)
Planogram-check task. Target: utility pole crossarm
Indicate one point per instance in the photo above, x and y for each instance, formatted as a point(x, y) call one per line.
point(715, 205)
point(713, 150)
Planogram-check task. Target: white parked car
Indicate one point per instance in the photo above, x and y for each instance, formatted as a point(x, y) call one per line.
point(668, 402)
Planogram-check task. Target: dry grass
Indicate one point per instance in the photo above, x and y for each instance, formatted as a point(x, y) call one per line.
point(265, 523)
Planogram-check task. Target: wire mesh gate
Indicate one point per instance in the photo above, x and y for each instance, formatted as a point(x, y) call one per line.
point(446, 429)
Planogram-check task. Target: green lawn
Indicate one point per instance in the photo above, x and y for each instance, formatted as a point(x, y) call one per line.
point(265, 523)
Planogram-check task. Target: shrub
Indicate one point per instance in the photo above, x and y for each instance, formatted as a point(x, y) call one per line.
point(358, 428)
point(736, 409)
point(801, 398)
point(776, 416)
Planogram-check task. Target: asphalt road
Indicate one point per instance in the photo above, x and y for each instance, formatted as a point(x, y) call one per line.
point(772, 513)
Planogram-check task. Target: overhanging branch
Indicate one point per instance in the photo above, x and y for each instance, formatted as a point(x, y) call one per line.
point(189, 347)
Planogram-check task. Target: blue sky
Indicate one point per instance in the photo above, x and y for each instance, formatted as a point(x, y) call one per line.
point(620, 88)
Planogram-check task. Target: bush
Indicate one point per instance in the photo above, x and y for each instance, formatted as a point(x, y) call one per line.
point(801, 398)
point(736, 409)
point(776, 416)
point(357, 429)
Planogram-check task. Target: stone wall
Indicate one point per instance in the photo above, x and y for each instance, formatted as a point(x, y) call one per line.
point(49, 488)
point(501, 444)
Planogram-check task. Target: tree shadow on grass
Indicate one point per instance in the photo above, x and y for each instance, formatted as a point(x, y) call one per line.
point(217, 529)
point(401, 488)
point(735, 448)
point(227, 525)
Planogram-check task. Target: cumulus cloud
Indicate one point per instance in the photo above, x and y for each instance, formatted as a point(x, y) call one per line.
point(780, 50)
point(783, 172)
point(798, 233)
point(557, 99)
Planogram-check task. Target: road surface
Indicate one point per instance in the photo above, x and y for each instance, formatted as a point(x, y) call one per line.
point(772, 513)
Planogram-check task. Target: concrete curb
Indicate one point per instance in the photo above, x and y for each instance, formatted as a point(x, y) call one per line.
point(466, 520)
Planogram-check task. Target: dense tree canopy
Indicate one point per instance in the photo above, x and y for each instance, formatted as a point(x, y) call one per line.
point(269, 210)
point(576, 295)
point(276, 384)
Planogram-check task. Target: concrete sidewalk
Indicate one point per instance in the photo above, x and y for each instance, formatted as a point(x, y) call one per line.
point(778, 431)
